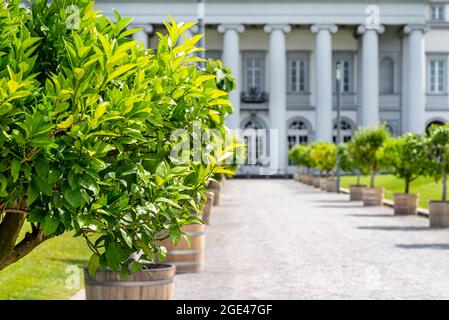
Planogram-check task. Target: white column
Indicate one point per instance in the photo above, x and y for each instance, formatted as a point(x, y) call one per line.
point(416, 79)
point(278, 88)
point(231, 59)
point(323, 80)
point(143, 35)
point(404, 86)
point(370, 75)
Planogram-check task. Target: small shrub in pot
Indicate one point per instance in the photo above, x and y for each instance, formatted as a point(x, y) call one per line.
point(437, 149)
point(367, 145)
point(405, 157)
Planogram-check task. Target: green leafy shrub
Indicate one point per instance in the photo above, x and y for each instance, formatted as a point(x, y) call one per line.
point(345, 161)
point(437, 147)
point(366, 150)
point(86, 117)
point(234, 144)
point(324, 155)
point(300, 155)
point(405, 157)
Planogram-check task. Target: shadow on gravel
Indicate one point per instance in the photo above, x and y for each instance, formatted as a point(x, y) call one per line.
point(371, 215)
point(339, 207)
point(393, 228)
point(436, 246)
point(333, 201)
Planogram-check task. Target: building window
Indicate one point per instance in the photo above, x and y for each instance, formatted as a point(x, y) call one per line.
point(346, 73)
point(437, 12)
point(298, 75)
point(386, 77)
point(437, 75)
point(253, 72)
point(213, 54)
point(346, 131)
point(298, 133)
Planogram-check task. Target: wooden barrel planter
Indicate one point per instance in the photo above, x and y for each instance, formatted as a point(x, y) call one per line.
point(439, 214)
point(216, 189)
point(188, 258)
point(405, 204)
point(373, 197)
point(155, 282)
point(356, 192)
point(207, 210)
point(307, 179)
point(296, 177)
point(323, 184)
point(331, 185)
point(316, 182)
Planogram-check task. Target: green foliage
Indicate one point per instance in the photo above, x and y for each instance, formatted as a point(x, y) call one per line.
point(345, 161)
point(366, 149)
point(438, 151)
point(405, 157)
point(86, 120)
point(233, 143)
point(301, 156)
point(324, 155)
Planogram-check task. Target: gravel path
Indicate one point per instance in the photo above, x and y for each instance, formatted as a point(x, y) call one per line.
point(278, 239)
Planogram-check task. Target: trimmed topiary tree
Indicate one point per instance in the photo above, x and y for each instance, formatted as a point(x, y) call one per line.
point(438, 151)
point(324, 155)
point(345, 161)
point(438, 168)
point(405, 157)
point(366, 150)
point(87, 116)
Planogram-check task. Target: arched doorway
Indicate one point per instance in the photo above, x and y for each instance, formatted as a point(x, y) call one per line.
point(347, 128)
point(255, 137)
point(434, 123)
point(297, 133)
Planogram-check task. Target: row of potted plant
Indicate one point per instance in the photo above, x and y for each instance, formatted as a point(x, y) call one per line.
point(96, 139)
point(373, 150)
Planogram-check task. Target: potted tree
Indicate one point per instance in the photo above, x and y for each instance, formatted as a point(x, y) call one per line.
point(292, 156)
point(438, 151)
point(355, 163)
point(324, 157)
point(405, 158)
point(225, 82)
point(86, 120)
point(297, 156)
point(367, 146)
point(308, 165)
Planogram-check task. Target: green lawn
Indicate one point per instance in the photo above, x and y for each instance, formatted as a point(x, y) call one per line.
point(43, 273)
point(425, 187)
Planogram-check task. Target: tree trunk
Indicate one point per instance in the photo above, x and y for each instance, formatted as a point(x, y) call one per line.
point(407, 185)
point(10, 227)
point(358, 178)
point(373, 178)
point(9, 232)
point(24, 247)
point(444, 186)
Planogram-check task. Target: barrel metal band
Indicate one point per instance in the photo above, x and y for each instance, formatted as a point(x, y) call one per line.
point(129, 283)
point(187, 263)
point(195, 234)
point(184, 252)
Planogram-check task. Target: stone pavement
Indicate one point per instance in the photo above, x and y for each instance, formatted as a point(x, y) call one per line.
point(278, 239)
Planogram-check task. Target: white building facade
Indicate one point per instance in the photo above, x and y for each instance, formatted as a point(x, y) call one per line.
point(394, 58)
